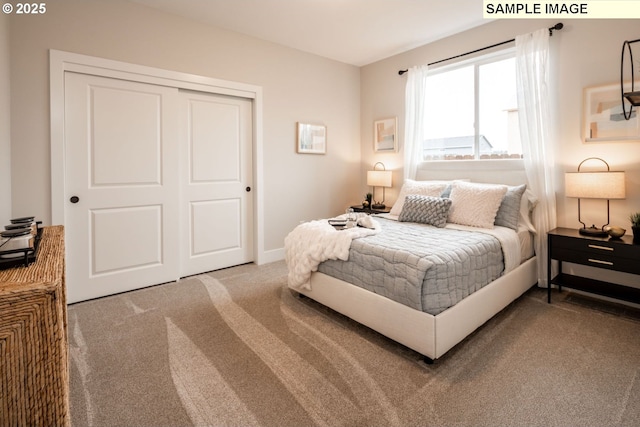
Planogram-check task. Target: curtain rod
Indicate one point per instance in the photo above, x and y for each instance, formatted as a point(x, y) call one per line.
point(558, 26)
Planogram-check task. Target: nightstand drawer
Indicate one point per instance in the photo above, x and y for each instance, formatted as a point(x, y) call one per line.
point(597, 257)
point(596, 247)
point(568, 245)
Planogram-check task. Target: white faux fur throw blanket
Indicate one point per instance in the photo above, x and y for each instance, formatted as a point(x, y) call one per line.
point(313, 242)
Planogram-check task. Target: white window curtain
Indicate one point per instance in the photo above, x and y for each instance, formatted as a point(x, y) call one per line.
point(532, 72)
point(415, 95)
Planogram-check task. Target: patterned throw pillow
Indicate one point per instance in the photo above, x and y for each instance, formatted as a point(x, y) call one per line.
point(425, 210)
point(475, 205)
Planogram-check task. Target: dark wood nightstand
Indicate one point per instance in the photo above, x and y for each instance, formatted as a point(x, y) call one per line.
point(567, 244)
point(359, 208)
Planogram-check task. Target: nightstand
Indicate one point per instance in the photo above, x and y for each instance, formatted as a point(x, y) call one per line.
point(568, 245)
point(359, 208)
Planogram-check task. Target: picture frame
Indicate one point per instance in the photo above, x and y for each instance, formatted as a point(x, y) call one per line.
point(312, 138)
point(603, 119)
point(385, 135)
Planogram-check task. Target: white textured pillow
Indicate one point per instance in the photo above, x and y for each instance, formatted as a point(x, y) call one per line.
point(475, 205)
point(422, 188)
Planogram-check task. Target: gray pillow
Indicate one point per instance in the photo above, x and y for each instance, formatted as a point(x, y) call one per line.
point(425, 209)
point(509, 210)
point(447, 192)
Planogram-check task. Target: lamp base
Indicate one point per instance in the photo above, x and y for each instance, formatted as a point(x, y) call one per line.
point(378, 206)
point(593, 232)
point(633, 98)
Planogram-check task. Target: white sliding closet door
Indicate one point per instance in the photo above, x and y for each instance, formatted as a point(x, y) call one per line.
point(121, 185)
point(216, 190)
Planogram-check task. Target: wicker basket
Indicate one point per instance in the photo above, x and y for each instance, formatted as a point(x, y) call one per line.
point(34, 370)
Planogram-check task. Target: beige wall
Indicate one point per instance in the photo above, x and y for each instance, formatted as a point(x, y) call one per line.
point(5, 131)
point(586, 53)
point(296, 87)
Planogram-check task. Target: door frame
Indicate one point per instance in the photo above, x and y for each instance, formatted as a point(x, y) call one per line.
point(61, 62)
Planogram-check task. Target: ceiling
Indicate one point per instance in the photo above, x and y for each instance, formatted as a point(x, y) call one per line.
point(356, 32)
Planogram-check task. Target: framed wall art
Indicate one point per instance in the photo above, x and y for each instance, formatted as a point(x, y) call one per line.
point(312, 139)
point(385, 135)
point(603, 119)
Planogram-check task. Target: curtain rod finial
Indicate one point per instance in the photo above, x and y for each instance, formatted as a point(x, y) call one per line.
point(558, 26)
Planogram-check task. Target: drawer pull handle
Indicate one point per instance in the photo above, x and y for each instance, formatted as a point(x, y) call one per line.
point(597, 261)
point(604, 248)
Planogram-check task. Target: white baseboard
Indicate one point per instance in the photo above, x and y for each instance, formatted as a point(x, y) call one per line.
point(270, 256)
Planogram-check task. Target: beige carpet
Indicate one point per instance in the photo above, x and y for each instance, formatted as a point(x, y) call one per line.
point(236, 348)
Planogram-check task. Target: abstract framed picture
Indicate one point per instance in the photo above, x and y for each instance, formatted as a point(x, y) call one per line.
point(385, 135)
point(312, 139)
point(603, 118)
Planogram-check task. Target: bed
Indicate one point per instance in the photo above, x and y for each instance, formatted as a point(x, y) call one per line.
point(434, 333)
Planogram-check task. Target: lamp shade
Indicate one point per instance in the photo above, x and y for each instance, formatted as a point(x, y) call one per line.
point(377, 178)
point(594, 185)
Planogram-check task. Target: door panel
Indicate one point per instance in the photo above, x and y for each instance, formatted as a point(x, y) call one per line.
point(121, 161)
point(216, 226)
point(135, 231)
point(217, 143)
point(138, 153)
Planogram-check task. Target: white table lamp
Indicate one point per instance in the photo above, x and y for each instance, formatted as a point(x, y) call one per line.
point(594, 185)
point(379, 178)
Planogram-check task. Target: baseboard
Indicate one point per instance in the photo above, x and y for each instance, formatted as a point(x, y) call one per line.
point(270, 256)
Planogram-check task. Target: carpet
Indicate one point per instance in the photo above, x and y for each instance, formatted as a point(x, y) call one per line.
point(235, 347)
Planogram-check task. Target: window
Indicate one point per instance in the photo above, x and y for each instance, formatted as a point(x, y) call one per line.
point(471, 110)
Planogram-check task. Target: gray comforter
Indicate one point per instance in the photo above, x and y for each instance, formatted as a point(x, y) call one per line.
point(426, 268)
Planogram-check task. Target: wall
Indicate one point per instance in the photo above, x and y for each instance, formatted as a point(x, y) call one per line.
point(585, 53)
point(296, 87)
point(5, 130)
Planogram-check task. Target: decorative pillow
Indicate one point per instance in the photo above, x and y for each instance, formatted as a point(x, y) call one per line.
point(423, 188)
point(447, 192)
point(425, 210)
point(475, 205)
point(527, 205)
point(509, 210)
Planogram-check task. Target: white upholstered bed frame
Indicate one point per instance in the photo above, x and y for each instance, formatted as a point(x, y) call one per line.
point(429, 335)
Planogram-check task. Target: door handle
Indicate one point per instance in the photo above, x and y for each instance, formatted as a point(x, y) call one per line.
point(248, 189)
point(74, 199)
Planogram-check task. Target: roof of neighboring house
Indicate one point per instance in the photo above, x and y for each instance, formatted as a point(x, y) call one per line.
point(458, 142)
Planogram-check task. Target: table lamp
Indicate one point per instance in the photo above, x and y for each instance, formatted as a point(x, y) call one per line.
point(379, 178)
point(594, 185)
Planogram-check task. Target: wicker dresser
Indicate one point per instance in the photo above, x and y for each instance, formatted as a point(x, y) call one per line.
point(34, 370)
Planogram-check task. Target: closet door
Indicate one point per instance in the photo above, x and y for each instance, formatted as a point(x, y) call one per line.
point(121, 185)
point(217, 183)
